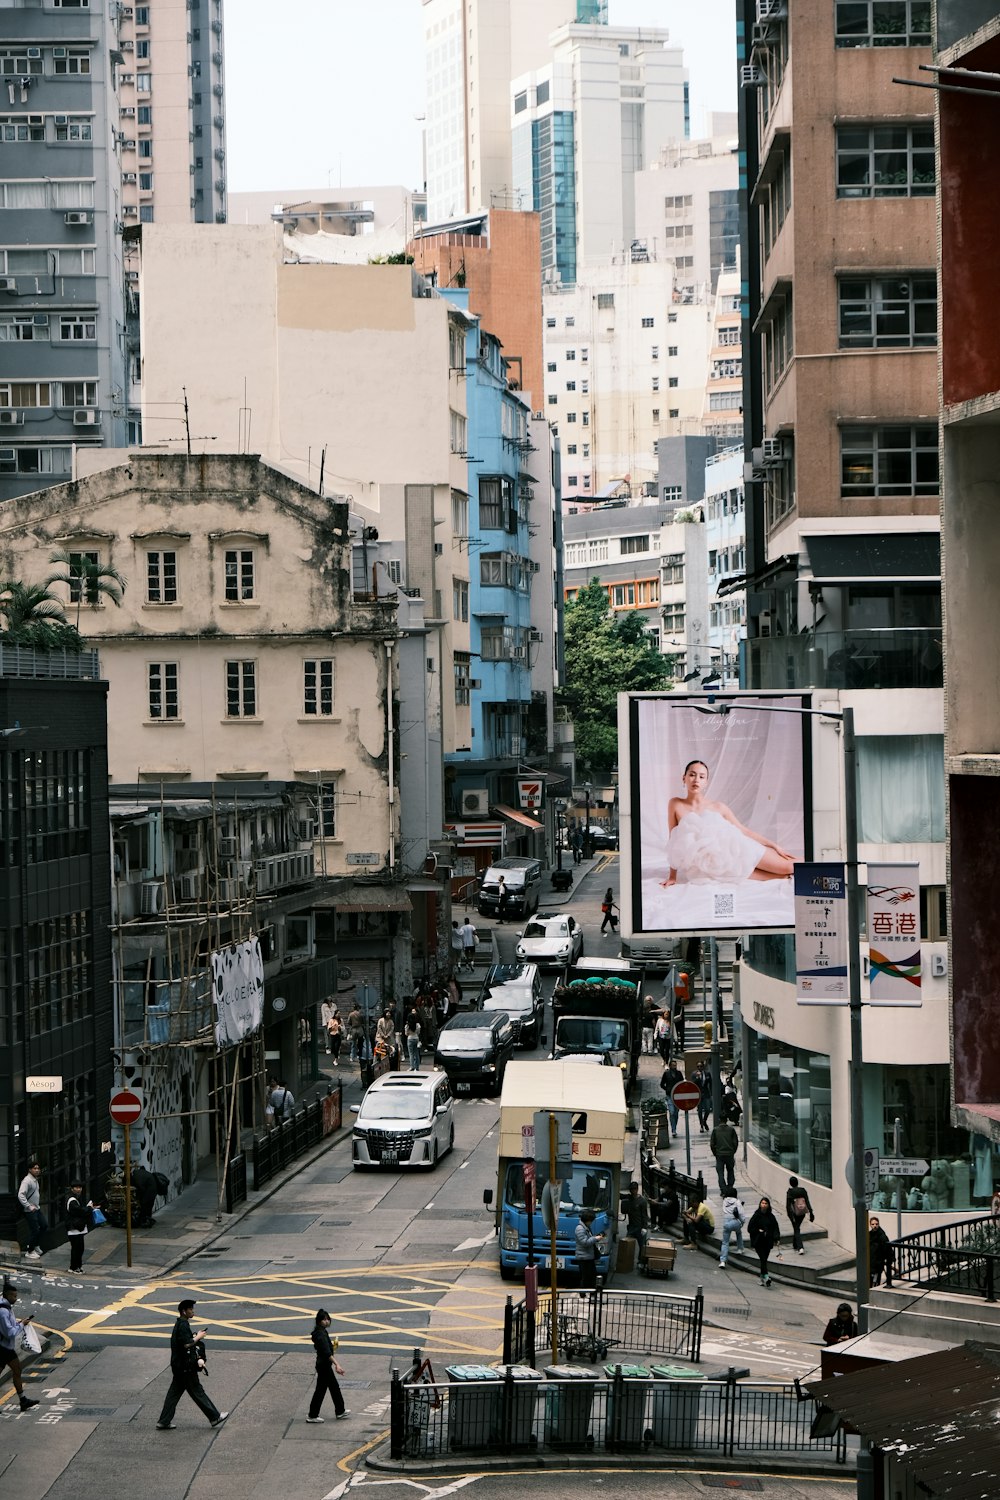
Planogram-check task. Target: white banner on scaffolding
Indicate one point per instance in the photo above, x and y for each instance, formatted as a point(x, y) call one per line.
point(238, 991)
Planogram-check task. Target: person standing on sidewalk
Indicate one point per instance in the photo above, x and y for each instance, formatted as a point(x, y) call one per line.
point(325, 1012)
point(682, 994)
point(186, 1364)
point(503, 896)
point(11, 1329)
point(724, 1144)
point(468, 944)
point(648, 1025)
point(457, 946)
point(661, 1035)
point(733, 1219)
point(669, 1079)
point(335, 1035)
point(327, 1370)
point(30, 1198)
point(77, 1224)
point(356, 1031)
point(797, 1205)
point(880, 1254)
point(702, 1078)
point(764, 1234)
point(412, 1033)
point(588, 1247)
point(635, 1209)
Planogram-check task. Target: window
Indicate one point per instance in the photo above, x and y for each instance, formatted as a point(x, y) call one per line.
point(76, 60)
point(163, 701)
point(883, 23)
point(885, 161)
point(142, 15)
point(584, 356)
point(459, 520)
point(142, 51)
point(79, 563)
point(585, 387)
point(75, 128)
point(552, 367)
point(463, 677)
point(605, 299)
point(38, 193)
point(18, 64)
point(571, 416)
point(672, 382)
point(51, 459)
point(654, 352)
point(144, 114)
point(656, 413)
point(649, 322)
point(622, 595)
point(146, 149)
point(571, 448)
point(145, 182)
point(161, 577)
point(553, 399)
point(22, 329)
point(239, 574)
point(673, 411)
point(889, 460)
point(572, 482)
point(77, 328)
point(325, 804)
point(460, 598)
point(672, 350)
point(790, 1106)
point(571, 385)
point(730, 334)
point(496, 504)
point(241, 689)
point(725, 401)
point(656, 382)
point(571, 322)
point(60, 979)
point(144, 83)
point(893, 768)
point(15, 129)
point(571, 354)
point(776, 199)
point(78, 393)
point(25, 393)
point(317, 687)
point(146, 213)
point(550, 322)
point(888, 312)
point(726, 369)
point(632, 544)
point(777, 345)
point(459, 433)
point(586, 450)
point(585, 418)
point(394, 566)
point(673, 494)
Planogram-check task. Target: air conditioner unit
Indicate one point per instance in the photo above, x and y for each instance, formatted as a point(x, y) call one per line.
point(228, 848)
point(130, 177)
point(127, 46)
point(229, 891)
point(476, 800)
point(131, 276)
point(11, 418)
point(61, 119)
point(751, 77)
point(771, 10)
point(78, 217)
point(40, 320)
point(519, 653)
point(36, 119)
point(8, 284)
point(187, 886)
point(475, 683)
point(58, 51)
point(127, 143)
point(127, 111)
point(764, 622)
point(34, 51)
point(127, 12)
point(534, 635)
point(772, 452)
point(152, 898)
point(85, 416)
point(306, 829)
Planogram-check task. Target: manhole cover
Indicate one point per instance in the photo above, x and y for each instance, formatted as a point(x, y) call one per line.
point(335, 1223)
point(738, 1312)
point(92, 1412)
point(732, 1482)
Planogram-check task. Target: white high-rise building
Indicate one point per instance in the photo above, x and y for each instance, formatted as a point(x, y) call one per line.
point(686, 203)
point(584, 127)
point(472, 50)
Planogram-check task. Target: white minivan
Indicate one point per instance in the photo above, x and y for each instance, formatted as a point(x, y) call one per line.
point(404, 1120)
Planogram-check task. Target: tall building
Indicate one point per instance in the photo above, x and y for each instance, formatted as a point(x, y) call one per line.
point(687, 203)
point(62, 310)
point(472, 50)
point(968, 38)
point(584, 125)
point(842, 553)
point(172, 107)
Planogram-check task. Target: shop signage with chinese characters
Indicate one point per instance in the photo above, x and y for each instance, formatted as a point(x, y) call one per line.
point(894, 934)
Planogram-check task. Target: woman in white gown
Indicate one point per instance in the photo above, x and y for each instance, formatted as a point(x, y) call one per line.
point(706, 842)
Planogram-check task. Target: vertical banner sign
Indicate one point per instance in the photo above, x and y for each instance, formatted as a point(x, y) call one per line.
point(820, 934)
point(894, 934)
point(529, 794)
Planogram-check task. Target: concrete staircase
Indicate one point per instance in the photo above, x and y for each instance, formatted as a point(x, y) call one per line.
point(912, 1312)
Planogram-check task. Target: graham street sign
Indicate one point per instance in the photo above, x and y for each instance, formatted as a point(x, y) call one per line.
point(903, 1166)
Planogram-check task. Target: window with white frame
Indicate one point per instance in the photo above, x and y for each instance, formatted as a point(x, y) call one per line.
point(496, 502)
point(25, 393)
point(241, 689)
point(77, 393)
point(72, 128)
point(656, 382)
point(161, 577)
point(15, 62)
point(51, 458)
point(240, 580)
point(459, 431)
point(730, 335)
point(16, 129)
point(629, 545)
point(317, 687)
point(459, 517)
point(571, 448)
point(672, 350)
point(571, 385)
point(673, 494)
point(460, 598)
point(394, 566)
point(23, 328)
point(80, 587)
point(45, 262)
point(571, 354)
point(69, 60)
point(77, 328)
point(463, 677)
point(649, 322)
point(164, 701)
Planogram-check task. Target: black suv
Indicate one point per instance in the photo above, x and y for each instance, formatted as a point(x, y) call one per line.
point(474, 1050)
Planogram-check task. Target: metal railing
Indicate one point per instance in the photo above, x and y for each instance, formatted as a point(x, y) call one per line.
point(657, 1181)
point(277, 1147)
point(649, 1323)
point(621, 1414)
point(29, 661)
point(898, 658)
point(962, 1257)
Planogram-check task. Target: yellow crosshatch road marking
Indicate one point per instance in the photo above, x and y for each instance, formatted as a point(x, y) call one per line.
point(276, 1309)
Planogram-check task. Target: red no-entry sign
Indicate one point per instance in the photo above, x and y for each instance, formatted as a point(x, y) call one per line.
point(685, 1094)
point(127, 1106)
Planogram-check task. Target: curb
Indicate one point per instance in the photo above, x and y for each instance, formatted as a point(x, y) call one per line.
point(662, 1459)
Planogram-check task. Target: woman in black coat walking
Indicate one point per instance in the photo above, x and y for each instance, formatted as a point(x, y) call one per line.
point(880, 1254)
point(764, 1234)
point(327, 1370)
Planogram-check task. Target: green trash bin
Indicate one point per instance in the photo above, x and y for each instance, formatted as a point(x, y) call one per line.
point(675, 1408)
point(518, 1403)
point(568, 1407)
point(473, 1407)
point(626, 1422)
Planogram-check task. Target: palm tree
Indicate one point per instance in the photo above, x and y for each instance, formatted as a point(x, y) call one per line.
point(88, 579)
point(33, 616)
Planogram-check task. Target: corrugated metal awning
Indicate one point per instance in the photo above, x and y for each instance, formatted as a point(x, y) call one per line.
point(362, 898)
point(936, 1415)
point(516, 816)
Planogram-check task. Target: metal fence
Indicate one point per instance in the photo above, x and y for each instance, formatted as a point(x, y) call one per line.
point(276, 1148)
point(961, 1257)
point(657, 1181)
point(589, 1324)
point(624, 1413)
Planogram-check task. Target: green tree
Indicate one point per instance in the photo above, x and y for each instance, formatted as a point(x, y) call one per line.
point(88, 580)
point(606, 654)
point(33, 616)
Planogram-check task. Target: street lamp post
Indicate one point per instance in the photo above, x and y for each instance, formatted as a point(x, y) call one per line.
point(587, 851)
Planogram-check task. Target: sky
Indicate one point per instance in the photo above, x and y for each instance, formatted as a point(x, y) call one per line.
point(337, 101)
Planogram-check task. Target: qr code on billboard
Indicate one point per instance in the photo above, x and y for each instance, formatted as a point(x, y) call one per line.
point(724, 905)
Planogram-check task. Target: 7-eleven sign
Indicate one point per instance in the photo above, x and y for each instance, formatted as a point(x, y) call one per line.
point(529, 793)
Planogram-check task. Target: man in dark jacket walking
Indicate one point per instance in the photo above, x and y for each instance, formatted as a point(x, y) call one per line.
point(723, 1144)
point(797, 1205)
point(186, 1364)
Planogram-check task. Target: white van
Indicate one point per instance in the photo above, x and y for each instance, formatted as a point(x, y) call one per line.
point(523, 879)
point(404, 1120)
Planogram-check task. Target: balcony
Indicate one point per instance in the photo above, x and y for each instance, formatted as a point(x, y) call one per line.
point(866, 659)
point(279, 871)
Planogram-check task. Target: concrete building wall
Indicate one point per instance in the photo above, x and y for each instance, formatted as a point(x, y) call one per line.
point(674, 198)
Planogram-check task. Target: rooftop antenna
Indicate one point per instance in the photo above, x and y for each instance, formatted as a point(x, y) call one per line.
point(322, 466)
point(187, 420)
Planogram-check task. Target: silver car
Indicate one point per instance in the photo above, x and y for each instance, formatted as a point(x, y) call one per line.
point(551, 940)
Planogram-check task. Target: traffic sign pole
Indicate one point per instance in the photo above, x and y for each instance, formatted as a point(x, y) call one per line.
point(128, 1196)
point(687, 1139)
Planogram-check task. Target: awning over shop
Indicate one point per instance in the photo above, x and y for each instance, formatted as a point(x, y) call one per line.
point(362, 898)
point(514, 815)
point(896, 555)
point(482, 835)
point(935, 1415)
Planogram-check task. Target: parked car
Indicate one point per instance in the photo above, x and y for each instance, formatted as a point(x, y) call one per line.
point(517, 989)
point(404, 1120)
point(551, 940)
point(474, 1049)
point(602, 837)
point(523, 879)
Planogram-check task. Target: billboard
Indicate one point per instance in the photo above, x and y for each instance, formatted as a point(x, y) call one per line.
point(716, 816)
point(238, 989)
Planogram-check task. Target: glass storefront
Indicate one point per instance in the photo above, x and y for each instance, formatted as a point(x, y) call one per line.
point(789, 1095)
point(960, 1167)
